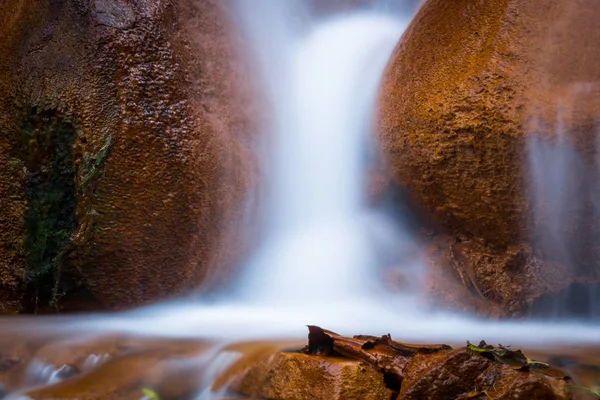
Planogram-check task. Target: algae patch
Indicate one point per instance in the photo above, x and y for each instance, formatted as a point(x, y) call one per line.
point(50, 218)
point(91, 165)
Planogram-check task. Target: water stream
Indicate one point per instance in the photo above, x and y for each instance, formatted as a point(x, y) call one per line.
point(565, 200)
point(316, 246)
point(320, 247)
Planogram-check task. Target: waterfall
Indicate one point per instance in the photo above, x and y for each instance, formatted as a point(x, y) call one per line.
point(316, 245)
point(565, 199)
point(319, 255)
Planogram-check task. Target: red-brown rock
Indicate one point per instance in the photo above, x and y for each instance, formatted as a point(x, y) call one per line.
point(145, 94)
point(400, 370)
point(302, 377)
point(468, 84)
point(456, 373)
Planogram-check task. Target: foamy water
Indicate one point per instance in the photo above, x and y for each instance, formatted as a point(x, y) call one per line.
point(316, 247)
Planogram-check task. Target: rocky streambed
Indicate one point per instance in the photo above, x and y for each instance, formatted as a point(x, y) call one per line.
point(329, 366)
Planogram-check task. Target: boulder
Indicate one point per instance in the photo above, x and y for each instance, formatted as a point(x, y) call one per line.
point(462, 374)
point(123, 156)
point(303, 377)
point(332, 366)
point(474, 92)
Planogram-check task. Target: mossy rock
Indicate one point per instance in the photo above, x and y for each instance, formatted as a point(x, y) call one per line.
point(147, 160)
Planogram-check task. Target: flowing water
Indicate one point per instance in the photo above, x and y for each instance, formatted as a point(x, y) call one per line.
point(566, 208)
point(321, 244)
point(316, 227)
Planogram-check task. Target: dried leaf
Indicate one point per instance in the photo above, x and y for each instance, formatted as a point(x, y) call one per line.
point(319, 341)
point(412, 348)
point(515, 359)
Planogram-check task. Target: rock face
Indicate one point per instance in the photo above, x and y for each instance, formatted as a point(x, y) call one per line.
point(122, 149)
point(472, 92)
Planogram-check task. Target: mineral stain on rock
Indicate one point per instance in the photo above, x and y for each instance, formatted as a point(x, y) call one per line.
point(118, 177)
point(113, 13)
point(51, 203)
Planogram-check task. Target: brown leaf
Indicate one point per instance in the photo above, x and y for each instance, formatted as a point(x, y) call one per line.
point(319, 341)
point(383, 353)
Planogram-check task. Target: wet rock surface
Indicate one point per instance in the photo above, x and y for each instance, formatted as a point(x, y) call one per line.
point(395, 370)
point(468, 87)
point(107, 367)
point(330, 367)
point(299, 376)
point(158, 155)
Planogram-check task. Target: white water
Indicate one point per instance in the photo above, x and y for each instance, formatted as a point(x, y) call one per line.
point(319, 253)
point(562, 190)
point(316, 246)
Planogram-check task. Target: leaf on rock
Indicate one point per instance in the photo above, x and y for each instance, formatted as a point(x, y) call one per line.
point(150, 394)
point(483, 347)
point(537, 364)
point(409, 348)
point(319, 341)
point(386, 355)
point(514, 359)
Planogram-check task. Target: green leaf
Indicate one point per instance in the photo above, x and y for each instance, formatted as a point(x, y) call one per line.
point(537, 364)
point(150, 394)
point(482, 348)
point(513, 358)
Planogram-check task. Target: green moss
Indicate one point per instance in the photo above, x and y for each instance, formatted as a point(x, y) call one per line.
point(91, 165)
point(50, 218)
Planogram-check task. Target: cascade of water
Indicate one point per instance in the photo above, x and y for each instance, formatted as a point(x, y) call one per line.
point(314, 264)
point(315, 237)
point(564, 200)
point(313, 267)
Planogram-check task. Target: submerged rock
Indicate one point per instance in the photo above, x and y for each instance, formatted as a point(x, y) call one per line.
point(470, 88)
point(122, 166)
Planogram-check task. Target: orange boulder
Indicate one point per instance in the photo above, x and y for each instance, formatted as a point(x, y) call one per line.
point(468, 87)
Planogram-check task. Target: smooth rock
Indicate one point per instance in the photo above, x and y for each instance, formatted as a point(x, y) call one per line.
point(302, 377)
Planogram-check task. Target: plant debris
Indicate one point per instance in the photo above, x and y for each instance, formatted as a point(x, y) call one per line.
point(515, 359)
point(383, 353)
point(150, 394)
